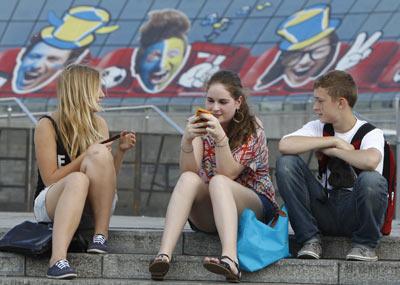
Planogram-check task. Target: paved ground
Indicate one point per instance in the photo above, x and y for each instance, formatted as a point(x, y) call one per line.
point(10, 219)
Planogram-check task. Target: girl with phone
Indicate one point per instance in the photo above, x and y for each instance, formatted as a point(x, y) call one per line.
point(224, 165)
point(77, 174)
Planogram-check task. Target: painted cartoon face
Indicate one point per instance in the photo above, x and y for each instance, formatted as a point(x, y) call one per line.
point(325, 107)
point(160, 63)
point(303, 64)
point(39, 65)
point(221, 104)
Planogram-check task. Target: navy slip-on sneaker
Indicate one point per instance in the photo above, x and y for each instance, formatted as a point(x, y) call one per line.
point(98, 244)
point(61, 270)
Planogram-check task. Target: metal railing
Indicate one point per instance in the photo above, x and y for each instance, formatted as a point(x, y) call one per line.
point(164, 116)
point(169, 121)
point(21, 105)
point(32, 118)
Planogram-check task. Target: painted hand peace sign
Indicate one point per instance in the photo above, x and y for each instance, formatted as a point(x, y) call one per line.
point(360, 50)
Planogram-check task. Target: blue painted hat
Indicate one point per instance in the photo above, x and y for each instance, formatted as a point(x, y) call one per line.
point(306, 27)
point(76, 29)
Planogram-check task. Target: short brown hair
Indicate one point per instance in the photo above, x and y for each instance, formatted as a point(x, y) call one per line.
point(164, 24)
point(338, 84)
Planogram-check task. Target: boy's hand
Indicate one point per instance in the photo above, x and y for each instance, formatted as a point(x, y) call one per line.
point(329, 151)
point(342, 144)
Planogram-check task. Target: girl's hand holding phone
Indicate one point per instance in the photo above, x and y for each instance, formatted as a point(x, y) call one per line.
point(127, 140)
point(113, 138)
point(196, 126)
point(212, 127)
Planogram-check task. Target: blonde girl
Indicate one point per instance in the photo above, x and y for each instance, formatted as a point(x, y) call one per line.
point(77, 174)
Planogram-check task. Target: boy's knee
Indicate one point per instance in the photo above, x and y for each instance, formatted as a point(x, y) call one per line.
point(287, 163)
point(371, 185)
point(372, 181)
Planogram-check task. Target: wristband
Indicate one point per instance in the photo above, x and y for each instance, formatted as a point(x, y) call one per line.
point(186, 150)
point(217, 142)
point(222, 145)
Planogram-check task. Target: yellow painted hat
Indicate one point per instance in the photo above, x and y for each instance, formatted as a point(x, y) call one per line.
point(306, 27)
point(77, 28)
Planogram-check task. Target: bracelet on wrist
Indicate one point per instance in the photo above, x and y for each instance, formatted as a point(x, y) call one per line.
point(187, 150)
point(223, 143)
point(219, 141)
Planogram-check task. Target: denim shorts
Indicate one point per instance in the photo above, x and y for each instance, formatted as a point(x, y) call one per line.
point(269, 211)
point(41, 215)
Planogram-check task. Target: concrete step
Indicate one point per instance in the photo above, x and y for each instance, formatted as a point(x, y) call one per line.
point(98, 281)
point(135, 240)
point(333, 247)
point(147, 241)
point(189, 268)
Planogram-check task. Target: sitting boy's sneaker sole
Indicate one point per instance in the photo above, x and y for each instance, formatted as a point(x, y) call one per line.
point(360, 258)
point(308, 255)
point(64, 276)
point(362, 253)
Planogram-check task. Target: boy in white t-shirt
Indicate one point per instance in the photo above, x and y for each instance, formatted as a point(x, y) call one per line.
point(315, 206)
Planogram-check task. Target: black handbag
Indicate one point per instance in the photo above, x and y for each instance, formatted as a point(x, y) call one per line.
point(30, 238)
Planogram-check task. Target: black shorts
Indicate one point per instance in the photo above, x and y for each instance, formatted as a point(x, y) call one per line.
point(269, 211)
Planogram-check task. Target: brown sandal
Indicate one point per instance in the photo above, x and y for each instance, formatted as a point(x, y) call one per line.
point(158, 267)
point(223, 268)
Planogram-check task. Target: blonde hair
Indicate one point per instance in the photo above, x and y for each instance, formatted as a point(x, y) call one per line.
point(78, 92)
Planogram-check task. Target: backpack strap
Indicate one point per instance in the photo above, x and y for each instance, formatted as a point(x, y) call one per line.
point(323, 161)
point(355, 141)
point(358, 137)
point(360, 134)
point(328, 130)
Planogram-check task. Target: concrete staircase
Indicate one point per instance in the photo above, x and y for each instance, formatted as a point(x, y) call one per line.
point(136, 240)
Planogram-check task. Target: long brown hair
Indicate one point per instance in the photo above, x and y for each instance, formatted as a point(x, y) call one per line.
point(237, 132)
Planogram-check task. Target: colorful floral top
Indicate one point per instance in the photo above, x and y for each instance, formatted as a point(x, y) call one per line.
point(253, 155)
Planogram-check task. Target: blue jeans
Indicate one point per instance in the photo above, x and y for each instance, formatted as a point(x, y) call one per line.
point(358, 214)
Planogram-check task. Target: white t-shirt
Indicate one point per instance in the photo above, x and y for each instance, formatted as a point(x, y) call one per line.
point(373, 139)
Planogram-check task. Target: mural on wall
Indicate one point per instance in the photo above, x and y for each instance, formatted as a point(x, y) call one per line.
point(64, 41)
point(310, 47)
point(165, 63)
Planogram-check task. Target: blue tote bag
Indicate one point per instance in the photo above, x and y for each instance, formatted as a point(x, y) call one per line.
point(259, 244)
